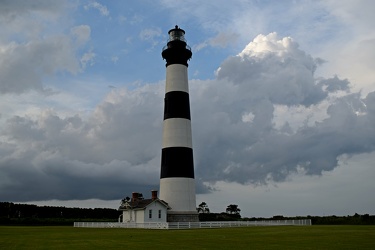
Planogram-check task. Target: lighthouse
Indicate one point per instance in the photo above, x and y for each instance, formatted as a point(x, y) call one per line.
point(177, 184)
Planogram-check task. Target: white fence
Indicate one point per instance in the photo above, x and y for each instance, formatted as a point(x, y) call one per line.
point(188, 225)
point(151, 225)
point(218, 224)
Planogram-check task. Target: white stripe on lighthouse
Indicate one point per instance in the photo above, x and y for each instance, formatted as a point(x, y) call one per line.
point(177, 78)
point(179, 193)
point(177, 133)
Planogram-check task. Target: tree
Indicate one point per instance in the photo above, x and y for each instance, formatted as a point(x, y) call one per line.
point(233, 209)
point(203, 208)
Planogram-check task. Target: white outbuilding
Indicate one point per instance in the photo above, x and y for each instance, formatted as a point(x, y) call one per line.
point(139, 210)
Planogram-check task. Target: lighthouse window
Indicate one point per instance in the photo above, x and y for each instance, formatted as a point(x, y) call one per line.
point(176, 35)
point(150, 213)
point(159, 214)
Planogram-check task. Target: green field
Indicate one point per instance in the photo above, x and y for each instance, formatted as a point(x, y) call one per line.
point(276, 237)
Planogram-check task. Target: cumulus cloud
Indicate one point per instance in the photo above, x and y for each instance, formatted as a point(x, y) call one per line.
point(276, 69)
point(239, 132)
point(245, 145)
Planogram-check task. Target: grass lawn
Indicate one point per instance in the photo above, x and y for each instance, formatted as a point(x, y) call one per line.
point(273, 237)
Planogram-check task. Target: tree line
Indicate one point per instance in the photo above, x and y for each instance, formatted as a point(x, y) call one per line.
point(232, 212)
point(355, 219)
point(27, 214)
point(11, 213)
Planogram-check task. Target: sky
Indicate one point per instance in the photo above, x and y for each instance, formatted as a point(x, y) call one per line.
point(282, 100)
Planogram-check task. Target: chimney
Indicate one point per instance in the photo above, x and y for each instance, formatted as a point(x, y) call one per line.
point(154, 194)
point(134, 196)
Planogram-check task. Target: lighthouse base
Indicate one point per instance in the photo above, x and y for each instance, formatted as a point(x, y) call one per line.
point(188, 216)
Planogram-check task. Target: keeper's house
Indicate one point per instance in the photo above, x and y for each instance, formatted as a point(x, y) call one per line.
point(139, 210)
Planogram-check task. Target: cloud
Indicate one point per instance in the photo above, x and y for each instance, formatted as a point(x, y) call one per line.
point(121, 19)
point(87, 58)
point(17, 7)
point(81, 34)
point(67, 154)
point(222, 40)
point(276, 69)
point(23, 66)
point(101, 8)
point(114, 59)
point(358, 14)
point(26, 20)
point(238, 151)
point(32, 46)
point(150, 35)
point(31, 50)
point(334, 84)
point(240, 134)
point(273, 72)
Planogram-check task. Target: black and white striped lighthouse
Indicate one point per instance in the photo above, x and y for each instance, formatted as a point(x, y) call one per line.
point(177, 185)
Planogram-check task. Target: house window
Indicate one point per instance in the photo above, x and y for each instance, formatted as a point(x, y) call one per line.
point(150, 213)
point(159, 214)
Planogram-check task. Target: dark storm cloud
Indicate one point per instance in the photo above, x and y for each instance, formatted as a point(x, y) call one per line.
point(111, 154)
point(116, 150)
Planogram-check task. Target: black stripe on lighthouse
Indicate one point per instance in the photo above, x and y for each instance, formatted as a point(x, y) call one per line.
point(176, 105)
point(177, 162)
